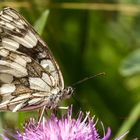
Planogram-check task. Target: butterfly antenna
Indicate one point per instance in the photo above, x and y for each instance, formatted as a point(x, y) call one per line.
point(88, 78)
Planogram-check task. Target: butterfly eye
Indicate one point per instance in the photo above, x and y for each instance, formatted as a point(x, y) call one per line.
point(68, 91)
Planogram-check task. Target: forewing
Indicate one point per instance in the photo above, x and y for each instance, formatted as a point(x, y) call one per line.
point(16, 34)
point(24, 84)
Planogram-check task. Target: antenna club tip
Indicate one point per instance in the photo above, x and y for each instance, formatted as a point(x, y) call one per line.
point(103, 73)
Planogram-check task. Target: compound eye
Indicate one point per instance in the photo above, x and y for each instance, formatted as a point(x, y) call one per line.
point(69, 90)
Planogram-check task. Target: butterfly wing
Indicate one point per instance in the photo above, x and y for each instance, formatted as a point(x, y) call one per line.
point(24, 84)
point(17, 34)
point(28, 72)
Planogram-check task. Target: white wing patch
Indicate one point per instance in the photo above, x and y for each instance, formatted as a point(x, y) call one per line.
point(38, 84)
point(10, 44)
point(13, 63)
point(6, 78)
point(7, 88)
point(29, 40)
point(48, 79)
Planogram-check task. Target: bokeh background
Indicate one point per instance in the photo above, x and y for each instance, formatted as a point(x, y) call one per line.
point(88, 37)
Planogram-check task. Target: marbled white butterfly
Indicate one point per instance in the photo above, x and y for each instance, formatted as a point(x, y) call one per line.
point(30, 78)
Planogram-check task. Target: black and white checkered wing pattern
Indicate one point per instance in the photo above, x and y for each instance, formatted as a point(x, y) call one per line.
point(29, 75)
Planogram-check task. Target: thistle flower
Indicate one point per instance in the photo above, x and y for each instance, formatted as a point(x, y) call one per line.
point(65, 128)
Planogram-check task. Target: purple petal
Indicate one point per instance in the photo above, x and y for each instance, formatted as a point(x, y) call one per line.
point(65, 128)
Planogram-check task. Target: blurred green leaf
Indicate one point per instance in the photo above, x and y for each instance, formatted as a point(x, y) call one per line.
point(130, 121)
point(41, 22)
point(131, 65)
point(20, 121)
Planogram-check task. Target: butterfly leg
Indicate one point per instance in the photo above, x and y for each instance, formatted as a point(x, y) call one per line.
point(55, 110)
point(63, 107)
point(41, 112)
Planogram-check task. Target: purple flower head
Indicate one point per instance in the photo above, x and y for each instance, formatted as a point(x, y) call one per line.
point(65, 128)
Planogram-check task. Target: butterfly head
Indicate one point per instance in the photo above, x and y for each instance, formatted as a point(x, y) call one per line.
point(67, 92)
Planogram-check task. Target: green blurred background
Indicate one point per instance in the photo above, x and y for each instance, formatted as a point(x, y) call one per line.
point(88, 37)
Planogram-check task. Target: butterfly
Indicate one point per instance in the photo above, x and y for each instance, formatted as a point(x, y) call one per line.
point(30, 78)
